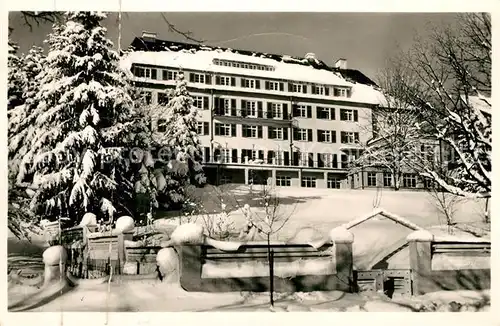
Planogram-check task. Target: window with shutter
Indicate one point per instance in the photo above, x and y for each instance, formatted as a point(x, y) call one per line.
point(205, 103)
point(233, 130)
point(233, 81)
point(309, 111)
point(309, 135)
point(206, 130)
point(282, 87)
point(259, 130)
point(257, 84)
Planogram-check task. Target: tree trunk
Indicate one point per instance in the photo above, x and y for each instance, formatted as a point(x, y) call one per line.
point(270, 259)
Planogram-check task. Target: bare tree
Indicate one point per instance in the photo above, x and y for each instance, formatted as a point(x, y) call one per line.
point(267, 222)
point(450, 83)
point(446, 204)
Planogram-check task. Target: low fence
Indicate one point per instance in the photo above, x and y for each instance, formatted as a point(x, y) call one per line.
point(450, 265)
point(297, 267)
point(140, 260)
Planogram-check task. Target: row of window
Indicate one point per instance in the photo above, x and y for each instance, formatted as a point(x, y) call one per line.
point(308, 182)
point(277, 157)
point(409, 180)
point(244, 82)
point(241, 64)
point(279, 133)
point(255, 109)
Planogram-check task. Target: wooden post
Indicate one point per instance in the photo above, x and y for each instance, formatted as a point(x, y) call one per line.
point(420, 246)
point(343, 239)
point(121, 252)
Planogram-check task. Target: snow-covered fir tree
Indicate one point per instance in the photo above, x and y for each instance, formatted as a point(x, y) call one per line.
point(84, 121)
point(178, 148)
point(15, 76)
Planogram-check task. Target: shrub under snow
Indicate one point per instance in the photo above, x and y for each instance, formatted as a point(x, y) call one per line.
point(189, 233)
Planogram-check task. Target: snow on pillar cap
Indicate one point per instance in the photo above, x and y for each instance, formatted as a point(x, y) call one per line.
point(420, 236)
point(54, 255)
point(88, 219)
point(341, 235)
point(189, 233)
point(125, 224)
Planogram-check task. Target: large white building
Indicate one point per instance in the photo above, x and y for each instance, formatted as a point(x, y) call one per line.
point(263, 117)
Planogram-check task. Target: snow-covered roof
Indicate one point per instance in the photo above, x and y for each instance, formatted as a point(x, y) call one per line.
point(201, 57)
point(203, 61)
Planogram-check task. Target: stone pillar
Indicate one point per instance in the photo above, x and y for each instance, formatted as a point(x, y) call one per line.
point(55, 259)
point(246, 175)
point(300, 177)
point(420, 246)
point(273, 177)
point(343, 239)
point(325, 179)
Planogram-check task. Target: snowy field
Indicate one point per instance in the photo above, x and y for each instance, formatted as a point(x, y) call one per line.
point(314, 209)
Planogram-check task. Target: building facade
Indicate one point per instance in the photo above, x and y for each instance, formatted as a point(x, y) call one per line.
point(265, 118)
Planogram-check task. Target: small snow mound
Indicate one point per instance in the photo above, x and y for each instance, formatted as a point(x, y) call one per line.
point(341, 235)
point(189, 233)
point(421, 236)
point(168, 264)
point(125, 224)
point(54, 255)
point(89, 219)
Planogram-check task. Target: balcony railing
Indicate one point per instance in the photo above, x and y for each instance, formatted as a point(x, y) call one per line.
point(275, 162)
point(252, 114)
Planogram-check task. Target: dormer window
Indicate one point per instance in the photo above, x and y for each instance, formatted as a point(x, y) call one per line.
point(341, 92)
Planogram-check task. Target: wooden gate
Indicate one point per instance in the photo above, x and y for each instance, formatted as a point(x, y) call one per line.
point(390, 281)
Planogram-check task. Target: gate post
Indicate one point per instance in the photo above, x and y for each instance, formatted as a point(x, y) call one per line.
point(420, 246)
point(342, 240)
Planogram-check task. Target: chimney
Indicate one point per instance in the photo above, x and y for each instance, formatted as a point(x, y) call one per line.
point(341, 63)
point(148, 36)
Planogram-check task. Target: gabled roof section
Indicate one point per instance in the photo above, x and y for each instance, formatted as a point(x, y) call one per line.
point(147, 45)
point(379, 211)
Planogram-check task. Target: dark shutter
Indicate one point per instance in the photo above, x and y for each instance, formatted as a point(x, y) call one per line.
point(327, 90)
point(234, 155)
point(313, 89)
point(285, 133)
point(269, 113)
point(320, 136)
point(286, 158)
point(309, 111)
point(205, 103)
point(270, 134)
point(319, 113)
point(355, 115)
point(259, 109)
point(257, 84)
point(335, 164)
point(243, 82)
point(282, 87)
point(191, 77)
point(290, 87)
point(261, 154)
point(233, 81)
point(153, 73)
point(266, 84)
point(208, 79)
point(356, 137)
point(217, 80)
point(243, 131)
point(310, 160)
point(233, 130)
point(295, 160)
point(320, 160)
point(233, 103)
point(295, 134)
point(270, 156)
point(285, 112)
point(349, 92)
point(295, 110)
point(332, 113)
point(217, 110)
point(304, 89)
point(207, 154)
point(309, 135)
point(206, 129)
point(343, 137)
point(334, 136)
point(243, 108)
point(217, 129)
point(233, 108)
point(259, 132)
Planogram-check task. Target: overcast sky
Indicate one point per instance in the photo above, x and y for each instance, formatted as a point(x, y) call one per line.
point(365, 40)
